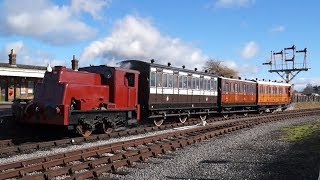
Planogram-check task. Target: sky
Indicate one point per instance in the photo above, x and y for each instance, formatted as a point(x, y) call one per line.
point(240, 33)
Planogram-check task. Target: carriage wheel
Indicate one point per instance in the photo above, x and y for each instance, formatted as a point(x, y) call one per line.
point(261, 112)
point(226, 116)
point(183, 119)
point(104, 128)
point(245, 114)
point(83, 131)
point(158, 121)
point(203, 118)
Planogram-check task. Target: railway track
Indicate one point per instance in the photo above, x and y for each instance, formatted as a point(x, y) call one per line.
point(29, 144)
point(95, 161)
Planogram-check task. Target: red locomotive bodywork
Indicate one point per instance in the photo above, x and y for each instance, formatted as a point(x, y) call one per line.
point(66, 92)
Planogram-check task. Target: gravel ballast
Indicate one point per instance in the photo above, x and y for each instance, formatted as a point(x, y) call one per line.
point(255, 153)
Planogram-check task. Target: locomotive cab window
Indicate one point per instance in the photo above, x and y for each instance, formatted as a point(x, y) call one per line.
point(130, 79)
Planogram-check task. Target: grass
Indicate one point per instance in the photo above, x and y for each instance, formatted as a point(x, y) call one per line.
point(302, 132)
point(307, 105)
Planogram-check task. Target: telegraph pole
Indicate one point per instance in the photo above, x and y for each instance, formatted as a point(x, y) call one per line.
point(285, 65)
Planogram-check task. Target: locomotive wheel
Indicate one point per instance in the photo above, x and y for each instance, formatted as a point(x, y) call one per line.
point(226, 116)
point(158, 121)
point(183, 119)
point(105, 129)
point(203, 118)
point(83, 131)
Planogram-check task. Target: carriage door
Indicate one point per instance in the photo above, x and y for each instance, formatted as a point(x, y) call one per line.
point(132, 90)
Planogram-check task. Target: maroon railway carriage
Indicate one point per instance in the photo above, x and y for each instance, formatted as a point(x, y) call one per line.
point(166, 91)
point(237, 96)
point(96, 97)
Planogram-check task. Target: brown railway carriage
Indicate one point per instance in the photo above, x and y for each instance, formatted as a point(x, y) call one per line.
point(166, 91)
point(237, 95)
point(273, 95)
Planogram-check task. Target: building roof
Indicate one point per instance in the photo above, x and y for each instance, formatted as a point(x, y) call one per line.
point(22, 70)
point(22, 66)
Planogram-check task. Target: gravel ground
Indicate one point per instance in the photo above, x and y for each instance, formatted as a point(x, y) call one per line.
point(256, 153)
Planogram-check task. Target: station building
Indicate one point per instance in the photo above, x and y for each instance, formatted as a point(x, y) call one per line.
point(17, 81)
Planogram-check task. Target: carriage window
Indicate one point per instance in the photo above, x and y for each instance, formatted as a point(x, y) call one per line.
point(240, 88)
point(180, 81)
point(208, 84)
point(175, 80)
point(205, 84)
point(244, 88)
point(159, 79)
point(231, 88)
point(164, 80)
point(213, 84)
point(194, 83)
point(280, 90)
point(170, 78)
point(189, 81)
point(201, 83)
point(235, 87)
point(226, 87)
point(152, 79)
point(197, 83)
point(185, 82)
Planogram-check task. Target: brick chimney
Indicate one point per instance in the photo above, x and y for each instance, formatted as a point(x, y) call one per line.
point(74, 63)
point(12, 58)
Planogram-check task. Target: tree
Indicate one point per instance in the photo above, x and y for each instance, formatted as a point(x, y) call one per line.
point(216, 67)
point(308, 90)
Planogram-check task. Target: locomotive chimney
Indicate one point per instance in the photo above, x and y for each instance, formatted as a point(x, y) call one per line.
point(74, 63)
point(12, 58)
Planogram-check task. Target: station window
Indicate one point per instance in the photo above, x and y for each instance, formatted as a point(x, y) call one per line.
point(152, 79)
point(30, 87)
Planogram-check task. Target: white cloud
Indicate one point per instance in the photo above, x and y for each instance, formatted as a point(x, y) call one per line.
point(233, 3)
point(243, 69)
point(250, 49)
point(278, 29)
point(27, 56)
point(136, 38)
point(93, 7)
point(41, 19)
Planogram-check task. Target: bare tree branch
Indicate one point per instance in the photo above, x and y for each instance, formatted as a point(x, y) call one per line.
point(216, 67)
